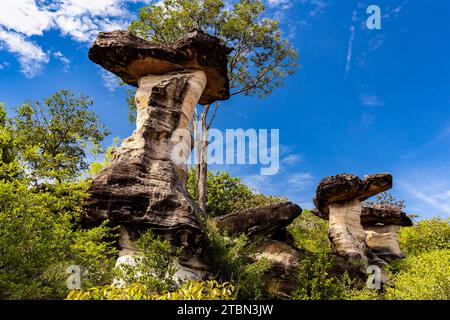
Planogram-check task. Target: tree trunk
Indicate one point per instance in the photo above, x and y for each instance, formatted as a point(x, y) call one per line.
point(202, 164)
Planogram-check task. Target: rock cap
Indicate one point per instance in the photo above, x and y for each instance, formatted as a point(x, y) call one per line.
point(345, 187)
point(131, 58)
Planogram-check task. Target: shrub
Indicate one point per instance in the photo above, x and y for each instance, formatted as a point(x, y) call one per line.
point(154, 265)
point(424, 236)
point(310, 233)
point(423, 277)
point(232, 259)
point(316, 280)
point(39, 240)
point(192, 290)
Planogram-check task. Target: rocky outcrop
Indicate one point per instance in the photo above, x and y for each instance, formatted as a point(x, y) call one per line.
point(281, 279)
point(267, 220)
point(144, 187)
point(339, 198)
point(360, 235)
point(270, 222)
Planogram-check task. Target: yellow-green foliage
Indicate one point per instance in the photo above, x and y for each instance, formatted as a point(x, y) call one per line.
point(310, 233)
point(423, 277)
point(192, 290)
point(426, 235)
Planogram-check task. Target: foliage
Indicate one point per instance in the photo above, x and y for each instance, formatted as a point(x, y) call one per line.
point(232, 259)
point(192, 290)
point(53, 135)
point(426, 235)
point(97, 166)
point(387, 199)
point(261, 58)
point(154, 265)
point(310, 233)
point(424, 277)
point(316, 280)
point(226, 194)
point(9, 166)
point(39, 240)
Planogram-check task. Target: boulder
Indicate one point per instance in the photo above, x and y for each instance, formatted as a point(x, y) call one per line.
point(266, 220)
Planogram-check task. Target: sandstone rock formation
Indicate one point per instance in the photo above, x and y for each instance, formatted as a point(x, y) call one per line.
point(360, 235)
point(267, 220)
point(270, 222)
point(144, 187)
point(339, 198)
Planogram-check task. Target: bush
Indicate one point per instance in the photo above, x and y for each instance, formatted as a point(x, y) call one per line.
point(232, 259)
point(310, 233)
point(154, 265)
point(316, 280)
point(192, 290)
point(426, 235)
point(424, 277)
point(39, 240)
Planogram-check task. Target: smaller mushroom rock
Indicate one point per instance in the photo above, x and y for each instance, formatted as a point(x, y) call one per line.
point(265, 220)
point(379, 222)
point(339, 198)
point(385, 215)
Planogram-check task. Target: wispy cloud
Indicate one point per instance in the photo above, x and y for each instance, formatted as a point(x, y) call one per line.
point(30, 56)
point(110, 80)
point(292, 159)
point(370, 100)
point(429, 189)
point(63, 59)
point(350, 46)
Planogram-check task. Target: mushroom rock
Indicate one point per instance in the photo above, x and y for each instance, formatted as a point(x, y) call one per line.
point(143, 187)
point(380, 222)
point(267, 220)
point(339, 198)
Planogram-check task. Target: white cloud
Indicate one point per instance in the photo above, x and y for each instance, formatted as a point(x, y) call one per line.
point(24, 16)
point(110, 80)
point(292, 159)
point(431, 193)
point(30, 56)
point(370, 100)
point(63, 59)
point(350, 48)
point(80, 20)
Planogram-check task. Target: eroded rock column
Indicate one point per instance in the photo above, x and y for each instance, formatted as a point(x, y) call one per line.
point(345, 230)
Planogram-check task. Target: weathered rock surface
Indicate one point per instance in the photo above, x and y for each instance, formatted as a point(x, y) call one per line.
point(144, 187)
point(345, 187)
point(339, 198)
point(384, 215)
point(132, 58)
point(281, 279)
point(383, 242)
point(358, 232)
point(265, 220)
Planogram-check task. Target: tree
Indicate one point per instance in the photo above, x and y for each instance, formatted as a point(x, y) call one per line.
point(227, 194)
point(53, 135)
point(9, 166)
point(260, 62)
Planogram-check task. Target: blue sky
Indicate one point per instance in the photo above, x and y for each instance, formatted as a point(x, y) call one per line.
point(362, 101)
